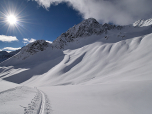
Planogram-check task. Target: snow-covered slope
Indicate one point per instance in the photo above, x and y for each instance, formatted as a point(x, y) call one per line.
point(96, 63)
point(92, 67)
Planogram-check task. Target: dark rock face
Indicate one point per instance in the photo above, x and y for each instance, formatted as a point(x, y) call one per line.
point(87, 27)
point(37, 46)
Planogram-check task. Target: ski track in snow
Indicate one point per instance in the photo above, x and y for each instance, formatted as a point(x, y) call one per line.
point(39, 105)
point(42, 103)
point(45, 105)
point(42, 109)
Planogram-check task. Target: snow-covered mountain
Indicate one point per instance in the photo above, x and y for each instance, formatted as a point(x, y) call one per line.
point(5, 55)
point(92, 67)
point(74, 50)
point(86, 28)
point(142, 23)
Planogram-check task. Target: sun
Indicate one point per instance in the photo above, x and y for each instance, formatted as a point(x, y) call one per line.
point(12, 19)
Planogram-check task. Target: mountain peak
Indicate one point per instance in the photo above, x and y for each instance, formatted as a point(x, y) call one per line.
point(86, 28)
point(32, 48)
point(90, 21)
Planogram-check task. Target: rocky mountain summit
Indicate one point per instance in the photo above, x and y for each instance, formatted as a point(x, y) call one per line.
point(86, 28)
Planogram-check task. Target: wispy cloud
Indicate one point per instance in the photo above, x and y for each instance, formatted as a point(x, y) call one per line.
point(115, 11)
point(49, 41)
point(4, 38)
point(27, 41)
point(10, 48)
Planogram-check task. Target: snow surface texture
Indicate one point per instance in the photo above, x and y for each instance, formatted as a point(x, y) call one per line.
point(13, 101)
point(96, 72)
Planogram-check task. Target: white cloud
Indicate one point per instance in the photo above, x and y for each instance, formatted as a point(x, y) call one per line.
point(10, 48)
point(115, 11)
point(27, 41)
point(49, 41)
point(4, 38)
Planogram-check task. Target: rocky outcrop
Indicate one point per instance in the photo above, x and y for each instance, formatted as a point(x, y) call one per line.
point(32, 48)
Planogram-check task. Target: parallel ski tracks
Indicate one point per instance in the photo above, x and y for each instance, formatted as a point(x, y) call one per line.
point(45, 107)
point(42, 107)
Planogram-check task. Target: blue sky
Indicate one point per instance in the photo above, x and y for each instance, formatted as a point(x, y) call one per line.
point(35, 22)
point(48, 19)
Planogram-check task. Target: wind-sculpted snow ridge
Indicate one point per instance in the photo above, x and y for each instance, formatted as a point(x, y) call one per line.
point(32, 48)
point(142, 23)
point(86, 28)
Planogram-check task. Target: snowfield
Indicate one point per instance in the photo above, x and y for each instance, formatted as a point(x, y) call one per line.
point(105, 71)
point(117, 98)
point(14, 100)
point(23, 100)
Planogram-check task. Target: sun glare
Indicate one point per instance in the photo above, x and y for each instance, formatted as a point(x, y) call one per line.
point(11, 19)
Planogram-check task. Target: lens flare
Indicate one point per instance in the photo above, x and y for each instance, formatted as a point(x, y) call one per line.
point(12, 19)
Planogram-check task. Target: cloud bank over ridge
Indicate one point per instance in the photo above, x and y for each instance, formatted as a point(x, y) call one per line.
point(120, 12)
point(27, 41)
